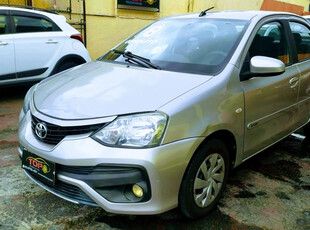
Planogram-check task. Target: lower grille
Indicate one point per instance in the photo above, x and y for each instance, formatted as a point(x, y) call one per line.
point(67, 190)
point(72, 192)
point(85, 170)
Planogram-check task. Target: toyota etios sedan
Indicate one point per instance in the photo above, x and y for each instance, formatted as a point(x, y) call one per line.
point(159, 121)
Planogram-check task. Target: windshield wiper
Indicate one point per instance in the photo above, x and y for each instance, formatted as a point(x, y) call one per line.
point(137, 59)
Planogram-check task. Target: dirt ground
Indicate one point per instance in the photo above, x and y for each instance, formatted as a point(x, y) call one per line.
point(270, 191)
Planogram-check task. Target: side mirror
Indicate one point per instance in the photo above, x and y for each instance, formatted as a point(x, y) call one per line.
point(261, 66)
point(266, 66)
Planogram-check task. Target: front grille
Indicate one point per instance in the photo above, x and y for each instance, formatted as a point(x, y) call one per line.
point(67, 190)
point(56, 133)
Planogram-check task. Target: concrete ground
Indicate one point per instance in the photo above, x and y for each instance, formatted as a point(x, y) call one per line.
point(270, 191)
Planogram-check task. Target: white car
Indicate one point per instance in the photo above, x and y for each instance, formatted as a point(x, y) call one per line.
point(307, 17)
point(35, 45)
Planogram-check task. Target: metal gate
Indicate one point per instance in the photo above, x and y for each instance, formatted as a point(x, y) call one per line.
point(75, 12)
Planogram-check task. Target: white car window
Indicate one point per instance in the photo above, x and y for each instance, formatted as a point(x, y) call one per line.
point(3, 24)
point(25, 24)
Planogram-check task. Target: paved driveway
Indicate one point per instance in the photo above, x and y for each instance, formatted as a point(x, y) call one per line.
point(270, 191)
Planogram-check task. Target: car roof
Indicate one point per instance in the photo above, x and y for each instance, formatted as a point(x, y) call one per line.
point(241, 15)
point(60, 20)
point(30, 10)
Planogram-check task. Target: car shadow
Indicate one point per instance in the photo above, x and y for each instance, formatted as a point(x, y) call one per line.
point(172, 220)
point(8, 93)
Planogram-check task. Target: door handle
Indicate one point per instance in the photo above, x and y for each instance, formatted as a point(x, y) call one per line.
point(3, 43)
point(294, 82)
point(50, 41)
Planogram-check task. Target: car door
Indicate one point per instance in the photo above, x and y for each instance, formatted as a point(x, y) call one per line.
point(301, 35)
point(38, 42)
point(270, 101)
point(7, 55)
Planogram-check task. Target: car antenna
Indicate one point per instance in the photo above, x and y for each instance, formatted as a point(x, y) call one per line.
point(204, 12)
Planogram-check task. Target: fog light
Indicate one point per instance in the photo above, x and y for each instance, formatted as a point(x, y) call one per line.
point(137, 190)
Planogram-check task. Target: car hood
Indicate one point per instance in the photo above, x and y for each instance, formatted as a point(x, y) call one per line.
point(100, 89)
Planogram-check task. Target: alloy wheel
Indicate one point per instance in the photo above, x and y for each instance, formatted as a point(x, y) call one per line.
point(209, 180)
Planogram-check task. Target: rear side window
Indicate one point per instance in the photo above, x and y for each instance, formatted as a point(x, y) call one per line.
point(3, 25)
point(270, 41)
point(301, 35)
point(25, 24)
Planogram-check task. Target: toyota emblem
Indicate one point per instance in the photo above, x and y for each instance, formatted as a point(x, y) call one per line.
point(41, 130)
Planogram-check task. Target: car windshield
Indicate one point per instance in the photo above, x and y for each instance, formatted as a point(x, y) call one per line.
point(197, 45)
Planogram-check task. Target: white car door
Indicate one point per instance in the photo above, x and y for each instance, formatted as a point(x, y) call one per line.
point(7, 59)
point(38, 42)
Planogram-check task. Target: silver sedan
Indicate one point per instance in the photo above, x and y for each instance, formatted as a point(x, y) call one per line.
point(160, 120)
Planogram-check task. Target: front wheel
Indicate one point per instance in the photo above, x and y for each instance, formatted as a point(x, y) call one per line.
point(204, 180)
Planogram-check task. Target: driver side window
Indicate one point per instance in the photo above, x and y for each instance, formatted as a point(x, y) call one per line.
point(270, 41)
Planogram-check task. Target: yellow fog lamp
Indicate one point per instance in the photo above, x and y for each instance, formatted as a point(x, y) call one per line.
point(137, 191)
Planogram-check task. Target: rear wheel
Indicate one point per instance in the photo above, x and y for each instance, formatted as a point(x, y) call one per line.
point(66, 65)
point(204, 180)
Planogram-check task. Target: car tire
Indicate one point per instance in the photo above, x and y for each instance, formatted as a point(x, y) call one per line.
point(66, 65)
point(204, 180)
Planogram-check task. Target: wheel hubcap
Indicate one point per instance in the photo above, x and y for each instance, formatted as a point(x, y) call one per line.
point(209, 180)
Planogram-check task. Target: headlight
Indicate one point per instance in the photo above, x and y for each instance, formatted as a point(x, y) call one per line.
point(140, 130)
point(28, 98)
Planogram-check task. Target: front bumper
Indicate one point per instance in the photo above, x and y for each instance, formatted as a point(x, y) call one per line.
point(113, 182)
point(161, 169)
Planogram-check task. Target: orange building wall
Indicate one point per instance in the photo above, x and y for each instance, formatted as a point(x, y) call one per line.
point(272, 5)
